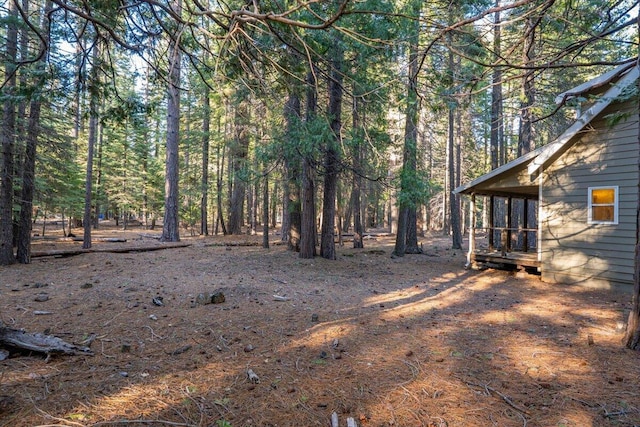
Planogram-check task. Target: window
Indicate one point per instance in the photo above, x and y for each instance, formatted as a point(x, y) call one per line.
point(603, 205)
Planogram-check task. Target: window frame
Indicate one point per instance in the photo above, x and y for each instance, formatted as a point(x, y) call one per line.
point(615, 204)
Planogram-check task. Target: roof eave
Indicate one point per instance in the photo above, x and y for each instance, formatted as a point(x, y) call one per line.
point(609, 96)
point(507, 167)
point(596, 82)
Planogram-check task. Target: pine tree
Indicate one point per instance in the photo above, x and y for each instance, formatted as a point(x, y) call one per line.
point(170, 224)
point(7, 138)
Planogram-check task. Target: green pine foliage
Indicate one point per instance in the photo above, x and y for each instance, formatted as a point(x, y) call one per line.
point(264, 60)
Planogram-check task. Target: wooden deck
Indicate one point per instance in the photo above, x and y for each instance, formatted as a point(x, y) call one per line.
point(517, 259)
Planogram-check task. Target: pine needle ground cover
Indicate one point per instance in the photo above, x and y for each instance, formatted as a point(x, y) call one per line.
point(412, 341)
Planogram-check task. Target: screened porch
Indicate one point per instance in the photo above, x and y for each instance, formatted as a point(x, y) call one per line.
point(509, 237)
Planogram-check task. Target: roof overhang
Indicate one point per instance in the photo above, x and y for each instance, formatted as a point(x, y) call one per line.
point(519, 177)
point(509, 179)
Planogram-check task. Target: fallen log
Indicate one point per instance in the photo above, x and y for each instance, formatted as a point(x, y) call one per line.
point(149, 236)
point(241, 243)
point(59, 253)
point(41, 343)
point(102, 239)
point(78, 251)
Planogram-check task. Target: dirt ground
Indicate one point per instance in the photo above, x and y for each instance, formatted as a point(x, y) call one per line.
point(412, 341)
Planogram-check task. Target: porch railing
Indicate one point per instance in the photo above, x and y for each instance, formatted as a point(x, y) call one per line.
point(506, 239)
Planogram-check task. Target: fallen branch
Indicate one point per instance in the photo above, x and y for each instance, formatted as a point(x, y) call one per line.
point(102, 239)
point(505, 398)
point(615, 414)
point(142, 421)
point(41, 343)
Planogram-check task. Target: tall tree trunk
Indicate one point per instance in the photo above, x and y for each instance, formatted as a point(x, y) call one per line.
point(23, 255)
point(526, 134)
point(28, 173)
point(21, 114)
point(7, 139)
point(273, 205)
point(331, 159)
point(146, 184)
point(346, 211)
point(219, 181)
point(252, 207)
point(400, 247)
point(308, 229)
point(79, 88)
point(340, 218)
point(23, 77)
point(204, 202)
point(454, 199)
point(238, 157)
point(406, 236)
point(284, 226)
point(21, 117)
point(412, 232)
point(327, 232)
point(265, 207)
point(99, 177)
point(255, 222)
point(94, 86)
point(170, 226)
point(496, 97)
point(356, 201)
point(308, 217)
point(292, 165)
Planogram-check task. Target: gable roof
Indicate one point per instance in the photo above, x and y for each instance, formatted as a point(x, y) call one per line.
point(534, 160)
point(603, 102)
point(596, 82)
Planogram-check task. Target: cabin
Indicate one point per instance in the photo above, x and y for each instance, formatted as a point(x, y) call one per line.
point(568, 209)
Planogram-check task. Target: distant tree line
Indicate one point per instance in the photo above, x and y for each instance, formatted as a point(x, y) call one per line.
point(326, 117)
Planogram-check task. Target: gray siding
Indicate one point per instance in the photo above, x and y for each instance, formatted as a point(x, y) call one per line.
point(572, 250)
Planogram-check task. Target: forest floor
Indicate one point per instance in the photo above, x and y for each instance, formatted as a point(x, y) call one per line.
point(411, 341)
